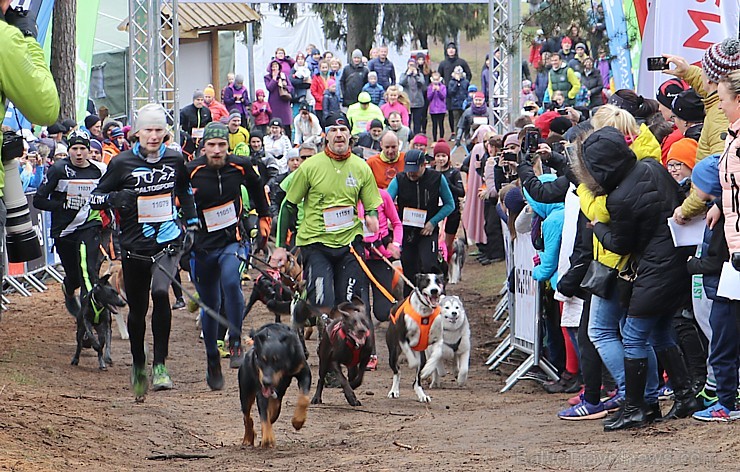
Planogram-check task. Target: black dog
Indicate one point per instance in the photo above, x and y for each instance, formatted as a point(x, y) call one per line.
point(346, 340)
point(273, 292)
point(97, 306)
point(269, 367)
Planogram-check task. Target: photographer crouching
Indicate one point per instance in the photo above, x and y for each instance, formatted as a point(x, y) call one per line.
point(26, 81)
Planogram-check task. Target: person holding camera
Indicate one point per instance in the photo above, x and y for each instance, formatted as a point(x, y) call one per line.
point(457, 92)
point(413, 83)
point(26, 81)
point(65, 193)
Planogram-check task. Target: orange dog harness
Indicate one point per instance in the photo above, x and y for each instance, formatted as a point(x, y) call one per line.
point(423, 322)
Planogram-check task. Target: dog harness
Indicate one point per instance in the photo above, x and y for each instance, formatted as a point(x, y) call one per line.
point(276, 283)
point(351, 344)
point(423, 322)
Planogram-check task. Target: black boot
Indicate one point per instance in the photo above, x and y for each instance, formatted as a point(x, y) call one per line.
point(633, 411)
point(685, 401)
point(653, 412)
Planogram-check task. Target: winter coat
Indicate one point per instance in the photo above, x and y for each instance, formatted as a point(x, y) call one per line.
point(593, 82)
point(262, 112)
point(280, 108)
point(352, 80)
point(386, 71)
point(285, 65)
point(300, 86)
point(466, 121)
point(306, 130)
point(330, 104)
point(192, 117)
point(376, 93)
point(447, 66)
point(360, 119)
point(540, 84)
point(437, 99)
point(606, 71)
point(564, 80)
point(729, 177)
point(553, 215)
point(715, 122)
point(413, 85)
point(218, 110)
point(641, 196)
point(472, 216)
point(318, 86)
point(387, 109)
point(552, 44)
point(365, 139)
point(457, 92)
point(231, 94)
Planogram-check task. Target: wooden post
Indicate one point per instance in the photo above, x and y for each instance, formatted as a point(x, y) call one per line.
point(215, 62)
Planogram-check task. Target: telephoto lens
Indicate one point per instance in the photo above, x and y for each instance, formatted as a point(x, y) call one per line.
point(22, 241)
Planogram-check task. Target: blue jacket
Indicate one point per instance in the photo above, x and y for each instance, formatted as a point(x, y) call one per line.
point(386, 71)
point(376, 93)
point(330, 103)
point(457, 92)
point(553, 215)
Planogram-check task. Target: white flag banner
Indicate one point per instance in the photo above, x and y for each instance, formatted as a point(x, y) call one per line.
point(684, 28)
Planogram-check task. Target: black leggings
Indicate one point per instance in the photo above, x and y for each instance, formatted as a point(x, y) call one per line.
point(420, 254)
point(590, 359)
point(139, 276)
point(438, 126)
point(384, 275)
point(453, 116)
point(417, 115)
point(80, 256)
point(333, 274)
point(494, 248)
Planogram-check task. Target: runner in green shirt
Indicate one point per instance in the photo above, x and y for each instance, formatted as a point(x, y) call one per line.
point(330, 184)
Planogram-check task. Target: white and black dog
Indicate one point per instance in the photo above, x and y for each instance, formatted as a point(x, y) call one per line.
point(415, 326)
point(457, 261)
point(456, 345)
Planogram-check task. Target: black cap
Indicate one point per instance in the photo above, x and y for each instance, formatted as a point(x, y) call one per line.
point(669, 89)
point(688, 106)
point(336, 119)
point(79, 137)
point(276, 122)
point(413, 160)
point(376, 123)
point(303, 107)
point(69, 123)
point(56, 128)
point(560, 125)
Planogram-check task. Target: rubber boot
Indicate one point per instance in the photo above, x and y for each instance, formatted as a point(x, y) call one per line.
point(633, 411)
point(685, 403)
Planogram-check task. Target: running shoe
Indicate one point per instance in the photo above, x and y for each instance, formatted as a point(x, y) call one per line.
point(717, 412)
point(236, 355)
point(222, 351)
point(708, 400)
point(139, 382)
point(665, 393)
point(613, 403)
point(372, 364)
point(179, 303)
point(161, 378)
point(583, 411)
point(71, 302)
point(214, 377)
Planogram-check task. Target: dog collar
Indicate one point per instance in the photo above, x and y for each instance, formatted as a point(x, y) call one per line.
point(337, 330)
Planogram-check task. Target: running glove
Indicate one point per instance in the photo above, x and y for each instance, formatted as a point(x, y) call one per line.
point(122, 199)
point(265, 227)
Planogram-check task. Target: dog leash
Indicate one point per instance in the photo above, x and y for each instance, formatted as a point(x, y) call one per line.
point(395, 269)
point(372, 278)
point(252, 256)
point(208, 310)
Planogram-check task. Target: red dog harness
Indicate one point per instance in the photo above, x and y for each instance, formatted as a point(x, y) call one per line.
point(351, 344)
point(423, 322)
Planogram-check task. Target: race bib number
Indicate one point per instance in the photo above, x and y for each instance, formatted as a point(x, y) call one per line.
point(339, 218)
point(220, 217)
point(197, 133)
point(154, 209)
point(480, 120)
point(366, 232)
point(414, 217)
point(78, 193)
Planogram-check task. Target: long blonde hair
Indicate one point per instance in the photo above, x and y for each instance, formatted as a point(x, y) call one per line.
point(609, 115)
point(403, 99)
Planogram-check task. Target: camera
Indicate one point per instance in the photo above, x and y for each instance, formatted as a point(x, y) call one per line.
point(509, 156)
point(531, 141)
point(22, 240)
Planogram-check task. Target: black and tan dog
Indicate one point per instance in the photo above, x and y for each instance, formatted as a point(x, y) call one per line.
point(276, 357)
point(95, 313)
point(415, 326)
point(346, 340)
point(275, 286)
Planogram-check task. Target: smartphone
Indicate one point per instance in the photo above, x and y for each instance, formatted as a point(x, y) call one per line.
point(531, 140)
point(508, 156)
point(563, 112)
point(657, 63)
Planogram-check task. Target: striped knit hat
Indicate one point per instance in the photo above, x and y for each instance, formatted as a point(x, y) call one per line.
point(721, 59)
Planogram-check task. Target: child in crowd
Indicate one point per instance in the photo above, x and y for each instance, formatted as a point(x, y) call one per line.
point(261, 111)
point(375, 90)
point(331, 99)
point(437, 96)
point(527, 94)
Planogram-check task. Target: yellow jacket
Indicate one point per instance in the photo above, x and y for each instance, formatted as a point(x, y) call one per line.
point(644, 146)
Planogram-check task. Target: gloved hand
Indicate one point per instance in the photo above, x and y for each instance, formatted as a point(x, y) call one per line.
point(192, 227)
point(265, 227)
point(24, 21)
point(122, 199)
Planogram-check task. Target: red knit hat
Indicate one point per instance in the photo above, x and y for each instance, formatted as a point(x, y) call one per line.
point(441, 147)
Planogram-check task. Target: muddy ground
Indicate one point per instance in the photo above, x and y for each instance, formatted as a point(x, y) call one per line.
point(54, 416)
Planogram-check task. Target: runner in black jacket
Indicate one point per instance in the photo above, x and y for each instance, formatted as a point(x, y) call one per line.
point(142, 184)
point(216, 178)
point(65, 192)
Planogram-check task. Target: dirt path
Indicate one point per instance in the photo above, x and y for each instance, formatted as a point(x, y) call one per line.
point(54, 416)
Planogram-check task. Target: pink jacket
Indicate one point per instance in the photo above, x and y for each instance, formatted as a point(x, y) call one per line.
point(387, 108)
point(729, 167)
point(386, 213)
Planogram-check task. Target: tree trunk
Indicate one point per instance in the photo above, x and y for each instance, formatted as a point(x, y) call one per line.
point(361, 23)
point(63, 55)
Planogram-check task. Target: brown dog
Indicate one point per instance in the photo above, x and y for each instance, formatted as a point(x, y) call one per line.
point(346, 340)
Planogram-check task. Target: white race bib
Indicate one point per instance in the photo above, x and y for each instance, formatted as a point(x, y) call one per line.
point(480, 120)
point(197, 133)
point(78, 193)
point(366, 232)
point(154, 209)
point(339, 218)
point(220, 217)
point(414, 217)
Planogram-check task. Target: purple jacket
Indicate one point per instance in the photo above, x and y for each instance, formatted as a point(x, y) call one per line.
point(285, 65)
point(280, 108)
point(437, 99)
point(606, 71)
point(230, 96)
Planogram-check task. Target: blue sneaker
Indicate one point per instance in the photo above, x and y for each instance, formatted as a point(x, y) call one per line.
point(613, 403)
point(717, 412)
point(583, 411)
point(665, 393)
point(708, 400)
